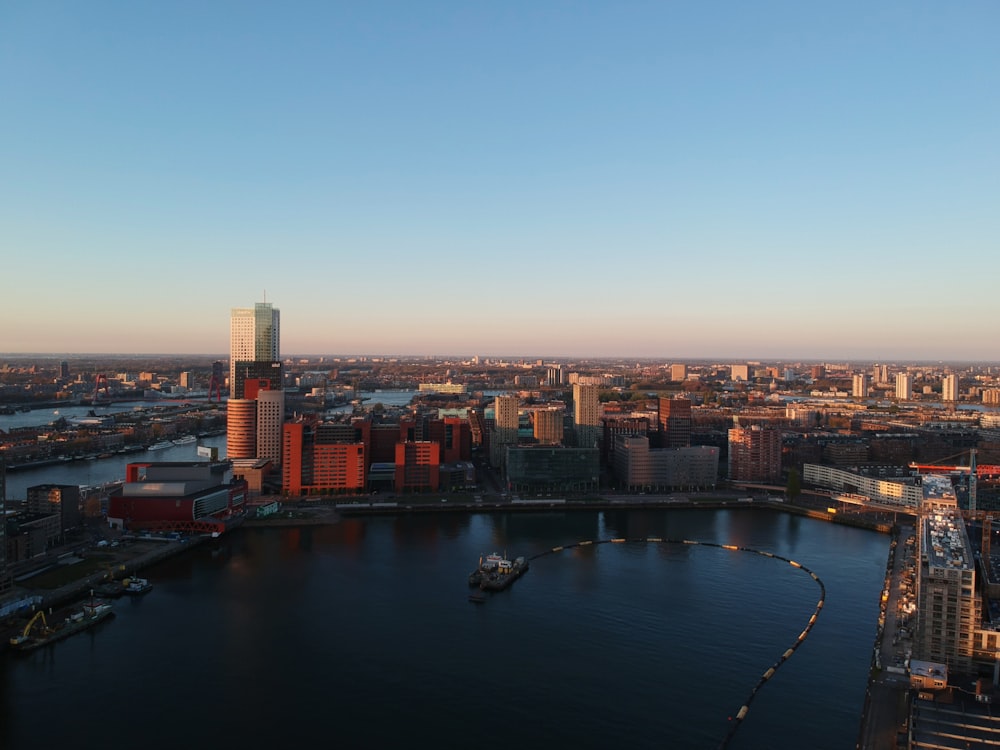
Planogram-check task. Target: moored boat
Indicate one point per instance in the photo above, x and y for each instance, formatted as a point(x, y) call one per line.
point(496, 572)
point(36, 635)
point(136, 586)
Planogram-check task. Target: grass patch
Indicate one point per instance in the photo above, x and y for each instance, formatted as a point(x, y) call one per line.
point(64, 574)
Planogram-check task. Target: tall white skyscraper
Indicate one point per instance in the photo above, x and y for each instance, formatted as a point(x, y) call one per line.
point(904, 386)
point(859, 385)
point(949, 387)
point(253, 422)
point(254, 336)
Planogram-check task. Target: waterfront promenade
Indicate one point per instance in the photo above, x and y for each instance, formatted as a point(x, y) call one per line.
point(886, 705)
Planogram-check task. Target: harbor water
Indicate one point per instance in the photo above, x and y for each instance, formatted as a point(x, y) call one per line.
point(361, 634)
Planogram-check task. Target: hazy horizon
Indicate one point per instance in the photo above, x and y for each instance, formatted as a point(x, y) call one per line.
point(508, 358)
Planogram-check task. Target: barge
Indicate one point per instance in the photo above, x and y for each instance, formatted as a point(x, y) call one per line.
point(33, 637)
point(496, 572)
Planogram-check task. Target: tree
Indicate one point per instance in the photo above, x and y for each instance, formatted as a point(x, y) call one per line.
point(794, 487)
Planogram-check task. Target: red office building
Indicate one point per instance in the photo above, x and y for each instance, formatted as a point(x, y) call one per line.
point(195, 496)
point(418, 466)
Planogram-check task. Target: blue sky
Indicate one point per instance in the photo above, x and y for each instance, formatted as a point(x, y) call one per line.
point(647, 179)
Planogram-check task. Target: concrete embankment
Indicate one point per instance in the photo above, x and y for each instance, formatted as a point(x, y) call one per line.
point(123, 566)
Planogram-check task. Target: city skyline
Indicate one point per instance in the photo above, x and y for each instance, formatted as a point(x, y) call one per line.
point(774, 182)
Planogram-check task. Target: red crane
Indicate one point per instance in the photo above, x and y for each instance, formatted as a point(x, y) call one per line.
point(101, 380)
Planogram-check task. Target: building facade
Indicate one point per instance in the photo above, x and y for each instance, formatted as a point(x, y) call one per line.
point(859, 385)
point(270, 417)
point(640, 468)
point(62, 500)
point(949, 387)
point(195, 496)
point(904, 386)
point(254, 336)
point(548, 425)
point(241, 428)
point(739, 372)
point(586, 414)
point(318, 461)
point(252, 377)
point(552, 469)
point(948, 604)
point(675, 422)
point(505, 424)
point(418, 466)
point(754, 454)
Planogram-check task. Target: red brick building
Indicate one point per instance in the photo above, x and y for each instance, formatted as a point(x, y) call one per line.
point(754, 454)
point(318, 460)
point(418, 466)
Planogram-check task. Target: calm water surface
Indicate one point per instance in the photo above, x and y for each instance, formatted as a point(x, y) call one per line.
point(361, 635)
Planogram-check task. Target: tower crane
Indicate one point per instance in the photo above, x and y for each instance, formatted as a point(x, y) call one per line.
point(973, 471)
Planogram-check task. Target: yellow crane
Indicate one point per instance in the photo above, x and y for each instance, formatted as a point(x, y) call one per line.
point(17, 640)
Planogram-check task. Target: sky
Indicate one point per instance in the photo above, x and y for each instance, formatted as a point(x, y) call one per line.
point(539, 178)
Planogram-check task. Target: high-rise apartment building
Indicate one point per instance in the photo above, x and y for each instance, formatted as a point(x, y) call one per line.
point(881, 374)
point(678, 372)
point(904, 386)
point(948, 605)
point(270, 417)
point(586, 414)
point(548, 425)
point(675, 422)
point(859, 385)
point(241, 428)
point(505, 415)
point(754, 454)
point(949, 387)
point(554, 375)
point(254, 336)
point(505, 421)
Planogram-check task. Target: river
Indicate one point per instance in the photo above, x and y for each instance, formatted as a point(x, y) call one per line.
point(360, 634)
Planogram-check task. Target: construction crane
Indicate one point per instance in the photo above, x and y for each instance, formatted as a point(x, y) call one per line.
point(23, 636)
point(973, 472)
point(101, 380)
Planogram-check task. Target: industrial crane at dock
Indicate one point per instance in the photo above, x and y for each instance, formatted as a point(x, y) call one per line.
point(17, 640)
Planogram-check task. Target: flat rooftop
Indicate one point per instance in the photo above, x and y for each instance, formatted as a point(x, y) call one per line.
point(945, 541)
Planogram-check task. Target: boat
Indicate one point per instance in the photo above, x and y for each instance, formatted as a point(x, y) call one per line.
point(496, 572)
point(160, 445)
point(136, 586)
point(110, 590)
point(185, 440)
point(33, 637)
